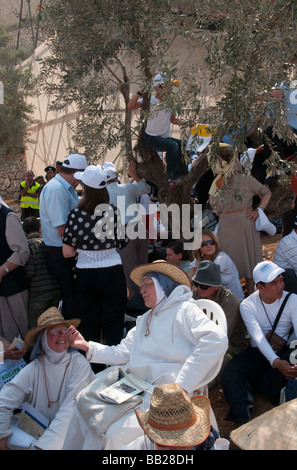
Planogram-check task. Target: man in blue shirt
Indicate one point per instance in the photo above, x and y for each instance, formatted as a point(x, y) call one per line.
point(57, 199)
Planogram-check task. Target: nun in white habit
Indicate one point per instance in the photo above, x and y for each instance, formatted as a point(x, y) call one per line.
point(173, 341)
point(49, 383)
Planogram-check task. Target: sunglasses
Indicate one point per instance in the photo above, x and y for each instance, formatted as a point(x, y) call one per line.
point(201, 286)
point(207, 242)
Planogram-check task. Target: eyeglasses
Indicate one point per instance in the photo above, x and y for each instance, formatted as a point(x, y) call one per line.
point(146, 286)
point(207, 242)
point(63, 331)
point(201, 286)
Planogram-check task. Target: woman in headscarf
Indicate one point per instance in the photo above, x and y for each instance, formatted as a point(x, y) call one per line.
point(231, 198)
point(173, 341)
point(49, 383)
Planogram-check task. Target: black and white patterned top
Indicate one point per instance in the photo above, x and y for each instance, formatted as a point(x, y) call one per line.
point(102, 230)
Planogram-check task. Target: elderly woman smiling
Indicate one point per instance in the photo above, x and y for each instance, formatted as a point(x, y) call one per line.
point(173, 341)
point(49, 382)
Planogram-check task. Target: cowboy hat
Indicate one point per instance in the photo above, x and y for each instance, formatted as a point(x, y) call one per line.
point(174, 419)
point(162, 267)
point(50, 317)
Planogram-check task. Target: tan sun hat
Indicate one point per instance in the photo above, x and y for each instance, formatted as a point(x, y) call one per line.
point(273, 430)
point(50, 317)
point(160, 266)
point(174, 419)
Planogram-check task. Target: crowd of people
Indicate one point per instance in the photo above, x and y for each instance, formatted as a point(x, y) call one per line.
point(70, 268)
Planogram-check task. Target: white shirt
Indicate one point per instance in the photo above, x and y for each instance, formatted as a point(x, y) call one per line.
point(123, 196)
point(158, 122)
point(285, 255)
point(258, 325)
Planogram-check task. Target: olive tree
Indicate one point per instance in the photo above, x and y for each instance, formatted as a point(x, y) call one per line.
point(17, 83)
point(100, 48)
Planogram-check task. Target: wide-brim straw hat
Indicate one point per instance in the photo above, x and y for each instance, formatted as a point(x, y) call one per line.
point(174, 419)
point(273, 430)
point(50, 317)
point(162, 267)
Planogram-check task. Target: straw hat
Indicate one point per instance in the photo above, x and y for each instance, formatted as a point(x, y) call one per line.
point(50, 317)
point(160, 266)
point(273, 430)
point(174, 419)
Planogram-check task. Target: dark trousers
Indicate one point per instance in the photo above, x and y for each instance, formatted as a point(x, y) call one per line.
point(172, 147)
point(29, 212)
point(202, 187)
point(64, 271)
point(103, 298)
point(249, 373)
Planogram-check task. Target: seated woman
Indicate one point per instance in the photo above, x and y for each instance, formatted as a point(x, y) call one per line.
point(210, 250)
point(175, 254)
point(49, 383)
point(173, 341)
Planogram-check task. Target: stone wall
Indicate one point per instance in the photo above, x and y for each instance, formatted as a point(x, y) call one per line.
point(12, 172)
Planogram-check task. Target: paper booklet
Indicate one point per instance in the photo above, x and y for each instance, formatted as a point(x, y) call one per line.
point(124, 389)
point(30, 425)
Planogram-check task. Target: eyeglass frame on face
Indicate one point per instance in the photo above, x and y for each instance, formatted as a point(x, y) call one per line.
point(56, 332)
point(204, 243)
point(146, 286)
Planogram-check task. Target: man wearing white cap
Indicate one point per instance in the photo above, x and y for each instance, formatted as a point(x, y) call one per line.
point(57, 199)
point(157, 132)
point(270, 317)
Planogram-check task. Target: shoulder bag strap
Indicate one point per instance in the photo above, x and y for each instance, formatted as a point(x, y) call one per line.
point(280, 312)
point(278, 317)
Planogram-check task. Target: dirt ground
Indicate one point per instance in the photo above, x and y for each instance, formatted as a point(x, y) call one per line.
point(216, 394)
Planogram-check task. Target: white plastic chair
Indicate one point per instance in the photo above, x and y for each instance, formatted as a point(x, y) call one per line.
point(214, 312)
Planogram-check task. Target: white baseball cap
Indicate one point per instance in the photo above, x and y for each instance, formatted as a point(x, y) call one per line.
point(93, 176)
point(266, 271)
point(159, 79)
point(110, 170)
point(76, 161)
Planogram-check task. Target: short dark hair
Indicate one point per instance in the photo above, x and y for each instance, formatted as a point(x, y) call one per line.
point(68, 171)
point(177, 247)
point(31, 225)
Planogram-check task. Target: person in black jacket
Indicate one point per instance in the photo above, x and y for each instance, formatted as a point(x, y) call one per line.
point(44, 289)
point(14, 253)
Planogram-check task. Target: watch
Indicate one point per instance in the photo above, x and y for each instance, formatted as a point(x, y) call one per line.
point(5, 268)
